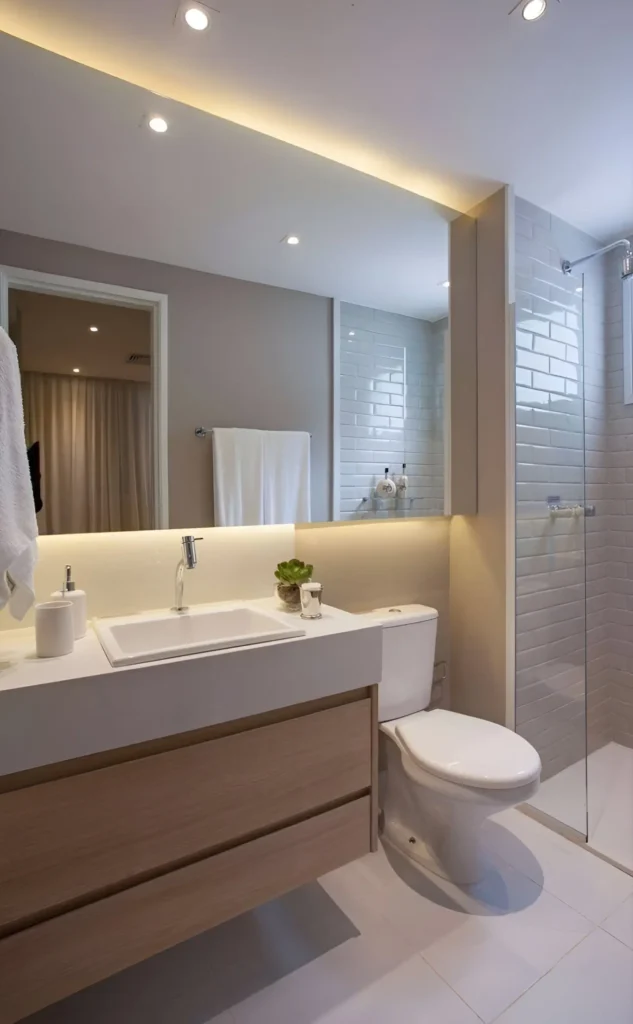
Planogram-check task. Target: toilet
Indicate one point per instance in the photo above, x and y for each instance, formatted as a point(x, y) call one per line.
point(443, 773)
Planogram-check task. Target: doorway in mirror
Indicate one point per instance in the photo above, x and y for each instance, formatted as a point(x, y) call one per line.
point(86, 355)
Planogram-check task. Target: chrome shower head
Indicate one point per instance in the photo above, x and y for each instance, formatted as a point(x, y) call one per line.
point(627, 265)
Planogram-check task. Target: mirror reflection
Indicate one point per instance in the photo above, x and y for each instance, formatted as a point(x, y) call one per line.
point(213, 327)
point(392, 412)
point(86, 388)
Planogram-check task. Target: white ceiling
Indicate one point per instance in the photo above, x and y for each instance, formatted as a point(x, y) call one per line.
point(79, 165)
point(444, 98)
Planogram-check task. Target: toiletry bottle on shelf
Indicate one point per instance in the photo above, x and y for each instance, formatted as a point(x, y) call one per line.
point(386, 488)
point(78, 599)
point(402, 482)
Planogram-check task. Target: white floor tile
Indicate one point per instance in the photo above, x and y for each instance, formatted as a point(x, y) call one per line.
point(572, 873)
point(491, 960)
point(593, 983)
point(611, 811)
point(367, 980)
point(490, 943)
point(603, 788)
point(620, 923)
point(564, 797)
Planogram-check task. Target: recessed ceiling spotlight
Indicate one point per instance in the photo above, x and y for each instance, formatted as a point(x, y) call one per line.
point(197, 18)
point(158, 124)
point(76, 370)
point(93, 328)
point(292, 240)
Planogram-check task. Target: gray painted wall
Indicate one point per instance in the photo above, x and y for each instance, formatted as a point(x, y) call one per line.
point(240, 354)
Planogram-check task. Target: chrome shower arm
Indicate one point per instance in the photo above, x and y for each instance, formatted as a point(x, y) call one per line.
point(568, 265)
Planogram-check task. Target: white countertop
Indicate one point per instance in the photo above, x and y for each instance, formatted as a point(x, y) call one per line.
point(53, 709)
point(20, 666)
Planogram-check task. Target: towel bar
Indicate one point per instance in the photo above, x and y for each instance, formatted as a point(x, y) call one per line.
point(203, 431)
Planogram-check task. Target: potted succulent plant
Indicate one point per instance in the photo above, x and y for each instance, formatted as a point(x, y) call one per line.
point(290, 575)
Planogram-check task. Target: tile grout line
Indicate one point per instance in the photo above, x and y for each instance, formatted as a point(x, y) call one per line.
point(543, 887)
point(419, 953)
point(548, 971)
point(616, 937)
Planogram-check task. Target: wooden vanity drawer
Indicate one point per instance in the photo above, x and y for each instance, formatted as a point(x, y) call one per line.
point(50, 961)
point(69, 840)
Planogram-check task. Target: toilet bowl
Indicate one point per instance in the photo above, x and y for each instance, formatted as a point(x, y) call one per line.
point(443, 773)
point(434, 808)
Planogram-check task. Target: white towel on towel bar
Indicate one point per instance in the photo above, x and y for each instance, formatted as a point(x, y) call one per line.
point(286, 476)
point(18, 525)
point(260, 477)
point(238, 477)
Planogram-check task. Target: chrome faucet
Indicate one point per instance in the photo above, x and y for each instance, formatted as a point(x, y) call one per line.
point(189, 560)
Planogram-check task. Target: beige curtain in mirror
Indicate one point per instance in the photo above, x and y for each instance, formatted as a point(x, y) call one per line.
point(95, 440)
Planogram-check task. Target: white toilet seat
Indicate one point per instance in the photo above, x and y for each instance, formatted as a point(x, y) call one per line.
point(455, 791)
point(464, 753)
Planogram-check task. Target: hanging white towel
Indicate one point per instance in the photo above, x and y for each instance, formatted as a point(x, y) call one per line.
point(238, 477)
point(286, 476)
point(18, 525)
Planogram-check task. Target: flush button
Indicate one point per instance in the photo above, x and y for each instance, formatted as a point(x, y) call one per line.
point(395, 611)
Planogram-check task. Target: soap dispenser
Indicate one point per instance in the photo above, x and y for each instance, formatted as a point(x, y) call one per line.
point(386, 488)
point(78, 599)
point(402, 482)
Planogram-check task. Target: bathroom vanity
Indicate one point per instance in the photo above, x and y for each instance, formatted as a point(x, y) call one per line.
point(140, 806)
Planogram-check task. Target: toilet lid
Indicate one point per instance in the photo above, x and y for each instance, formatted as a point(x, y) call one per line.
point(468, 751)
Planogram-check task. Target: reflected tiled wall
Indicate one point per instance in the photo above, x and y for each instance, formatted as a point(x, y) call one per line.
point(392, 372)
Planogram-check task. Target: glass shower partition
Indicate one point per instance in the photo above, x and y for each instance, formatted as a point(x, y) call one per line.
point(553, 570)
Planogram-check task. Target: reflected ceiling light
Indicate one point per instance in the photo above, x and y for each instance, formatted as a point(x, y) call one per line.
point(158, 124)
point(352, 333)
point(579, 291)
point(76, 369)
point(197, 18)
point(93, 329)
point(531, 10)
point(292, 239)
point(534, 9)
point(446, 284)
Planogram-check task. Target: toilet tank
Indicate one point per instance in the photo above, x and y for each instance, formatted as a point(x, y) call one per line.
point(408, 656)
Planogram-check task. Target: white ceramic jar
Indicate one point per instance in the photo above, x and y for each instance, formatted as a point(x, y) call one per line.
point(54, 629)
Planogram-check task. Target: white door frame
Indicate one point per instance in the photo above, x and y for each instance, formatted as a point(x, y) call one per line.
point(156, 303)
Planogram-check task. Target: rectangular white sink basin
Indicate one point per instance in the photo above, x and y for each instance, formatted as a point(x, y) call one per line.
point(136, 639)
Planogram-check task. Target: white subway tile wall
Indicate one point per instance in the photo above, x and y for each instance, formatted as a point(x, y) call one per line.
point(391, 411)
point(555, 364)
point(574, 684)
